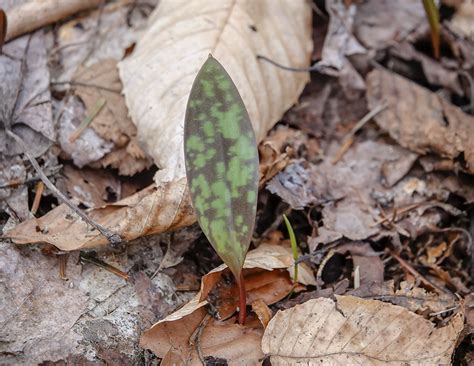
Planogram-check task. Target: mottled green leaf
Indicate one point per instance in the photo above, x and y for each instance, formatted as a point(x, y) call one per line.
point(221, 163)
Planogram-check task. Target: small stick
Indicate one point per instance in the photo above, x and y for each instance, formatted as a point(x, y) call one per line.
point(89, 258)
point(195, 339)
point(86, 85)
point(289, 68)
point(38, 195)
point(87, 121)
point(32, 15)
point(14, 184)
point(62, 259)
point(415, 273)
point(349, 138)
point(3, 28)
point(113, 238)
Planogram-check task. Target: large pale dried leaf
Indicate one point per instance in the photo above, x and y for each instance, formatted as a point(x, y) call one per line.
point(181, 36)
point(111, 123)
point(424, 122)
point(356, 331)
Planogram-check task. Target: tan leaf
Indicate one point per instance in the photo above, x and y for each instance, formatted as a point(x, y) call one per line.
point(101, 81)
point(157, 77)
point(176, 342)
point(425, 122)
point(262, 310)
point(357, 331)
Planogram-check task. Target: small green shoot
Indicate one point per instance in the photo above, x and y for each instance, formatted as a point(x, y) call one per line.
point(432, 13)
point(222, 167)
point(294, 247)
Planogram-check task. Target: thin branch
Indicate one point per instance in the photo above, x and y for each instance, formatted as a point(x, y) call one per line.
point(289, 68)
point(113, 238)
point(87, 85)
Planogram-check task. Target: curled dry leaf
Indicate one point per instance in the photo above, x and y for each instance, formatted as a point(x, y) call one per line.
point(356, 331)
point(233, 344)
point(425, 122)
point(144, 213)
point(159, 113)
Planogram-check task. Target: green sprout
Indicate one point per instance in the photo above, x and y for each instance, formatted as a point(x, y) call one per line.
point(294, 247)
point(432, 13)
point(221, 159)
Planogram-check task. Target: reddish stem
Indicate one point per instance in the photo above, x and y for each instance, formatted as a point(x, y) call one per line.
point(242, 299)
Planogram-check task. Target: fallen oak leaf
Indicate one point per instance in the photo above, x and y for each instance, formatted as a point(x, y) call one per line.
point(356, 331)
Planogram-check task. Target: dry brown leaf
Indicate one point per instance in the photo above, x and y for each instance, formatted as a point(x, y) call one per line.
point(267, 272)
point(357, 331)
point(111, 123)
point(263, 312)
point(90, 187)
point(144, 213)
point(175, 342)
point(423, 122)
point(157, 77)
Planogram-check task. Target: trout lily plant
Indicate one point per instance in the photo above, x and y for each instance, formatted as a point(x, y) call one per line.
point(222, 167)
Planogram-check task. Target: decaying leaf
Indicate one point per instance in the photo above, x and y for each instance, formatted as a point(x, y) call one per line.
point(425, 122)
point(176, 342)
point(101, 81)
point(409, 296)
point(355, 331)
point(25, 97)
point(180, 37)
point(381, 22)
point(221, 164)
point(34, 324)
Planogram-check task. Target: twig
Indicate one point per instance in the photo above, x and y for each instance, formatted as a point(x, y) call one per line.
point(289, 68)
point(86, 85)
point(87, 120)
point(62, 259)
point(29, 16)
point(91, 258)
point(3, 28)
point(53, 171)
point(113, 238)
point(396, 212)
point(415, 273)
point(349, 138)
point(38, 195)
point(195, 339)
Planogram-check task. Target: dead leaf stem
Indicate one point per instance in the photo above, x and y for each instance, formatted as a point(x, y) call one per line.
point(113, 238)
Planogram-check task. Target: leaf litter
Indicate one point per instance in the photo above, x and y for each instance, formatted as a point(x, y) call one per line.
point(387, 221)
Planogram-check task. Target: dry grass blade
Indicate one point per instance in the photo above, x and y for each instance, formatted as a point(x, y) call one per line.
point(356, 331)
